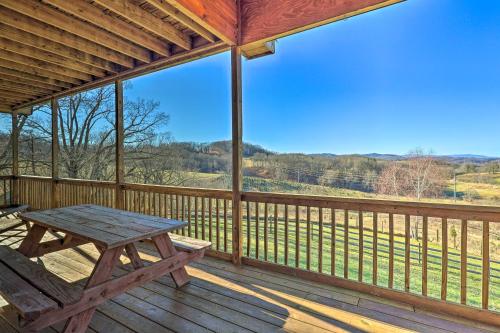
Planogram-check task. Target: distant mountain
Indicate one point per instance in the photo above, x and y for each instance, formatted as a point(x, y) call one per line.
point(387, 157)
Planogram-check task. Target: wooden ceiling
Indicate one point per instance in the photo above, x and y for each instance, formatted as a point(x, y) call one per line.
point(56, 47)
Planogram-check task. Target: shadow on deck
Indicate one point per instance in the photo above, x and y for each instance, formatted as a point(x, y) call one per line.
point(225, 298)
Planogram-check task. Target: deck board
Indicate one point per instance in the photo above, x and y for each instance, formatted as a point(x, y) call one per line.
point(225, 298)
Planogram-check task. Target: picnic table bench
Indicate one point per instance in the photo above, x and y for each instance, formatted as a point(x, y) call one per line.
point(40, 298)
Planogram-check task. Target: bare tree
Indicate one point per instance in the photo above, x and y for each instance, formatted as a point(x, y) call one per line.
point(87, 134)
point(417, 176)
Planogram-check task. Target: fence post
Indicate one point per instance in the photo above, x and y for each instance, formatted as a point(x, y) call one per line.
point(237, 143)
point(55, 196)
point(120, 173)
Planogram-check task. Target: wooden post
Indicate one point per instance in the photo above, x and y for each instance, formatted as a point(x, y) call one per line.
point(15, 158)
point(237, 152)
point(120, 174)
point(55, 196)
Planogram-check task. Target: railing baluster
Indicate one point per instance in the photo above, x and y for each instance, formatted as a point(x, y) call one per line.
point(346, 244)
point(265, 231)
point(333, 242)
point(257, 239)
point(195, 217)
point(286, 236)
point(275, 233)
point(375, 248)
point(225, 225)
point(210, 220)
point(486, 265)
point(463, 262)
point(407, 252)
point(444, 259)
point(297, 236)
point(203, 212)
point(425, 240)
point(189, 215)
point(248, 229)
point(360, 246)
point(217, 224)
point(320, 240)
point(308, 238)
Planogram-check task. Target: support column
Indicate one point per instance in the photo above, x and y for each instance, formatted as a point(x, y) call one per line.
point(15, 159)
point(237, 145)
point(120, 174)
point(55, 195)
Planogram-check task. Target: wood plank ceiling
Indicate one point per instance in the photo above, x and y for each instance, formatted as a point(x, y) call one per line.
point(52, 47)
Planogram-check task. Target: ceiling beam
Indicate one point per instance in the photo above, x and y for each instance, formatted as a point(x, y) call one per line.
point(7, 63)
point(32, 62)
point(33, 78)
point(176, 59)
point(9, 93)
point(40, 29)
point(13, 78)
point(220, 17)
point(29, 51)
point(91, 13)
point(167, 9)
point(22, 88)
point(56, 18)
point(51, 70)
point(147, 21)
point(47, 45)
point(265, 20)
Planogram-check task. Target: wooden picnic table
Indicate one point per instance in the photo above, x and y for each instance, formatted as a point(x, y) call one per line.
point(47, 299)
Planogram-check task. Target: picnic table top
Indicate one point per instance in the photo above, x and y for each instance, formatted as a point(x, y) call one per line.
point(106, 227)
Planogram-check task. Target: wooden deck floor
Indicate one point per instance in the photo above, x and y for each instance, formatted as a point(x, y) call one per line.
point(225, 298)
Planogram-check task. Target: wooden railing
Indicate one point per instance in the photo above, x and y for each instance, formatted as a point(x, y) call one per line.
point(378, 246)
point(434, 256)
point(34, 191)
point(208, 212)
point(6, 197)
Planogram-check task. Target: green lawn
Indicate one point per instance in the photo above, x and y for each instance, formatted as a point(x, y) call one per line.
point(434, 259)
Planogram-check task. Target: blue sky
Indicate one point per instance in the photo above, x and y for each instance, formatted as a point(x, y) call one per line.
point(423, 73)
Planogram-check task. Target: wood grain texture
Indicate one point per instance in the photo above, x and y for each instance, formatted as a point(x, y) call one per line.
point(217, 16)
point(265, 20)
point(27, 300)
point(105, 227)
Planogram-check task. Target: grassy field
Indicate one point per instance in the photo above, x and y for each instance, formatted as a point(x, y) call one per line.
point(474, 266)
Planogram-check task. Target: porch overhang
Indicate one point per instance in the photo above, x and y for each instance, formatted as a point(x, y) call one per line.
point(52, 48)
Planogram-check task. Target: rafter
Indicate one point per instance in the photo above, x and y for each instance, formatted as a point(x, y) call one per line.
point(147, 21)
point(203, 50)
point(22, 88)
point(47, 45)
point(175, 13)
point(220, 17)
point(32, 62)
point(75, 26)
point(114, 25)
point(10, 93)
point(7, 63)
point(33, 78)
point(17, 79)
point(29, 51)
point(40, 29)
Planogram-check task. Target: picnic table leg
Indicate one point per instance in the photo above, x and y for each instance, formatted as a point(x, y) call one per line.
point(166, 249)
point(133, 255)
point(102, 272)
point(30, 243)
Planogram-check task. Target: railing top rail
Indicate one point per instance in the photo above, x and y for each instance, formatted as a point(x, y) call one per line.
point(6, 177)
point(470, 212)
point(189, 191)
